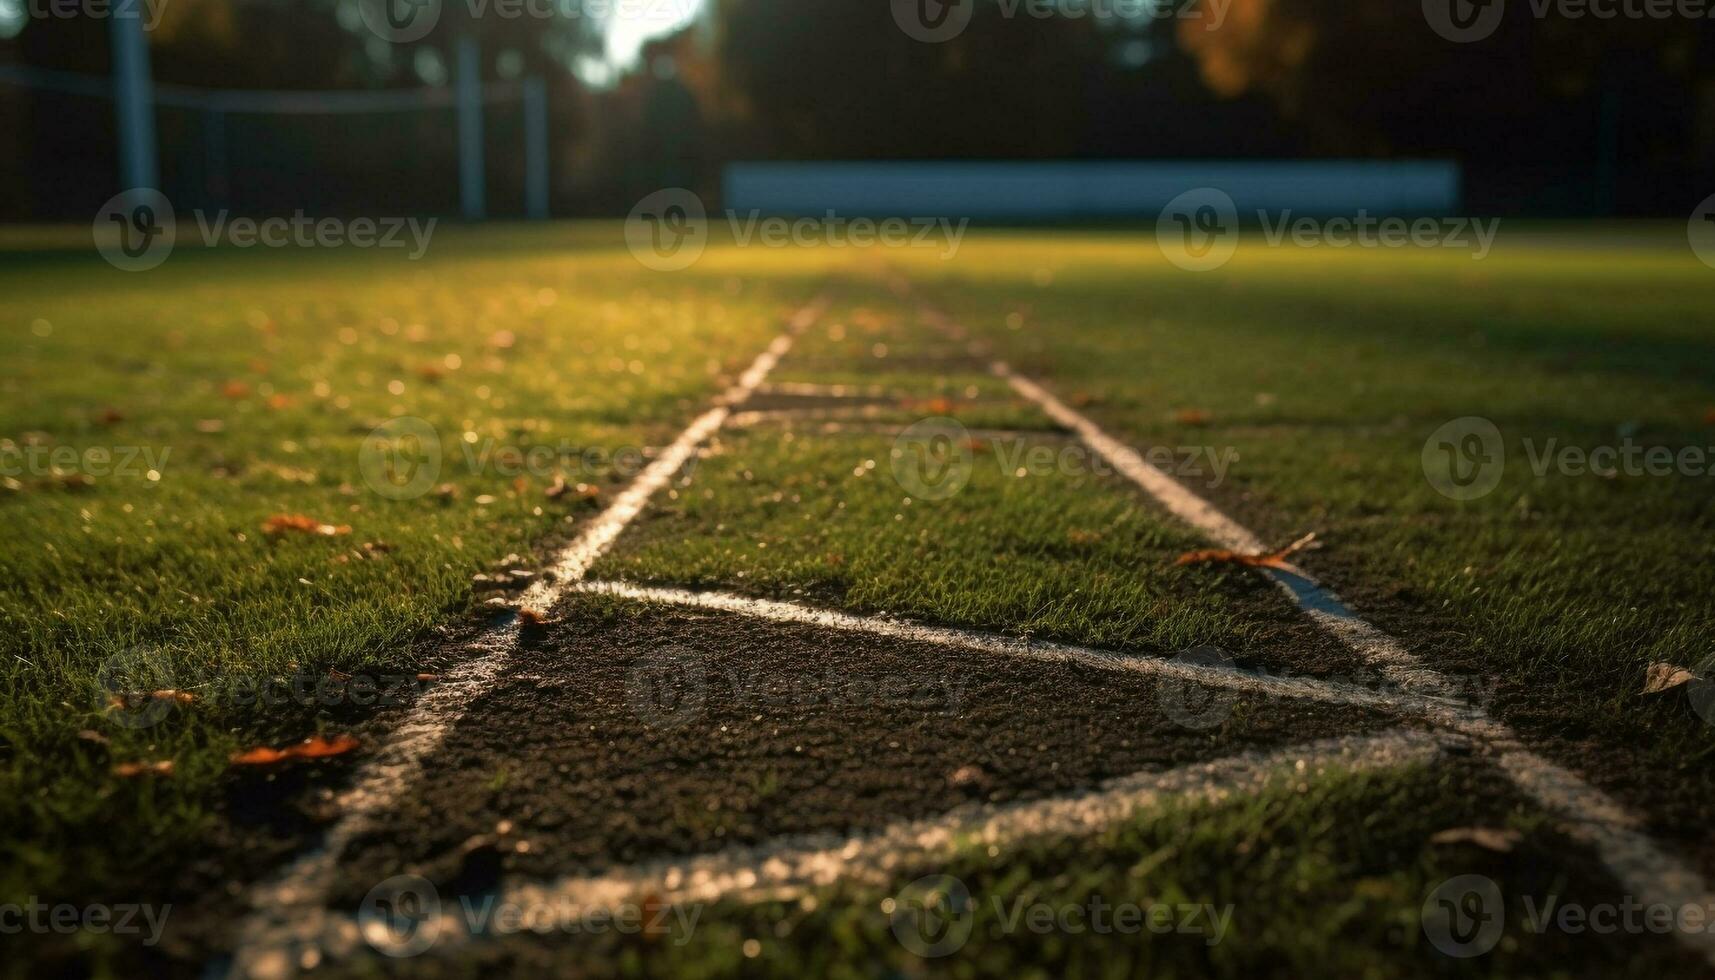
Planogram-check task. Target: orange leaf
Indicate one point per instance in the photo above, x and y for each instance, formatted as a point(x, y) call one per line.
point(309, 748)
point(532, 617)
point(235, 389)
point(279, 401)
point(1274, 559)
point(282, 523)
point(1192, 416)
point(128, 770)
point(110, 416)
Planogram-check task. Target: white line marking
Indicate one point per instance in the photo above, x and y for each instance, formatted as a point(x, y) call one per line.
point(786, 866)
point(288, 915)
point(1592, 816)
point(1310, 689)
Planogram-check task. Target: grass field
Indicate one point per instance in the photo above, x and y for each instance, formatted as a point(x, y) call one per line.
point(1294, 388)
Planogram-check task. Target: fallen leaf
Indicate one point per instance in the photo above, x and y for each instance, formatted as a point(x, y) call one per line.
point(89, 735)
point(428, 678)
point(520, 485)
point(310, 748)
point(1496, 839)
point(531, 616)
point(210, 426)
point(1275, 559)
point(235, 389)
point(110, 416)
point(128, 770)
point(1192, 416)
point(125, 702)
point(283, 523)
point(1663, 677)
point(556, 488)
point(279, 401)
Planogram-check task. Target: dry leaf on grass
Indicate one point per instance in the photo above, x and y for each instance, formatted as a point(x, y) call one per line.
point(1664, 677)
point(302, 524)
point(1275, 559)
point(235, 389)
point(428, 678)
point(1192, 416)
point(310, 748)
point(128, 770)
point(1496, 839)
point(125, 702)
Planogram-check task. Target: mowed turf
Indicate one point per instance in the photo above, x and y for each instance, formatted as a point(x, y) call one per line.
point(1323, 373)
point(253, 379)
point(1327, 371)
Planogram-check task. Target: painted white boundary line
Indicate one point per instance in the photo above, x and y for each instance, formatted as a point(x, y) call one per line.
point(288, 916)
point(1230, 678)
point(1642, 867)
point(786, 866)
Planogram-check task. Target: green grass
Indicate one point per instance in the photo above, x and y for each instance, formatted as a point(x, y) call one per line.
point(254, 378)
point(1327, 371)
point(1318, 877)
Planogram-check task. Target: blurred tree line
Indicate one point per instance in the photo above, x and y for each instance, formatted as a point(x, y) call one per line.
point(1548, 115)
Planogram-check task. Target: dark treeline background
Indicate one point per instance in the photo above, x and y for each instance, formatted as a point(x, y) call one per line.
point(1548, 116)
